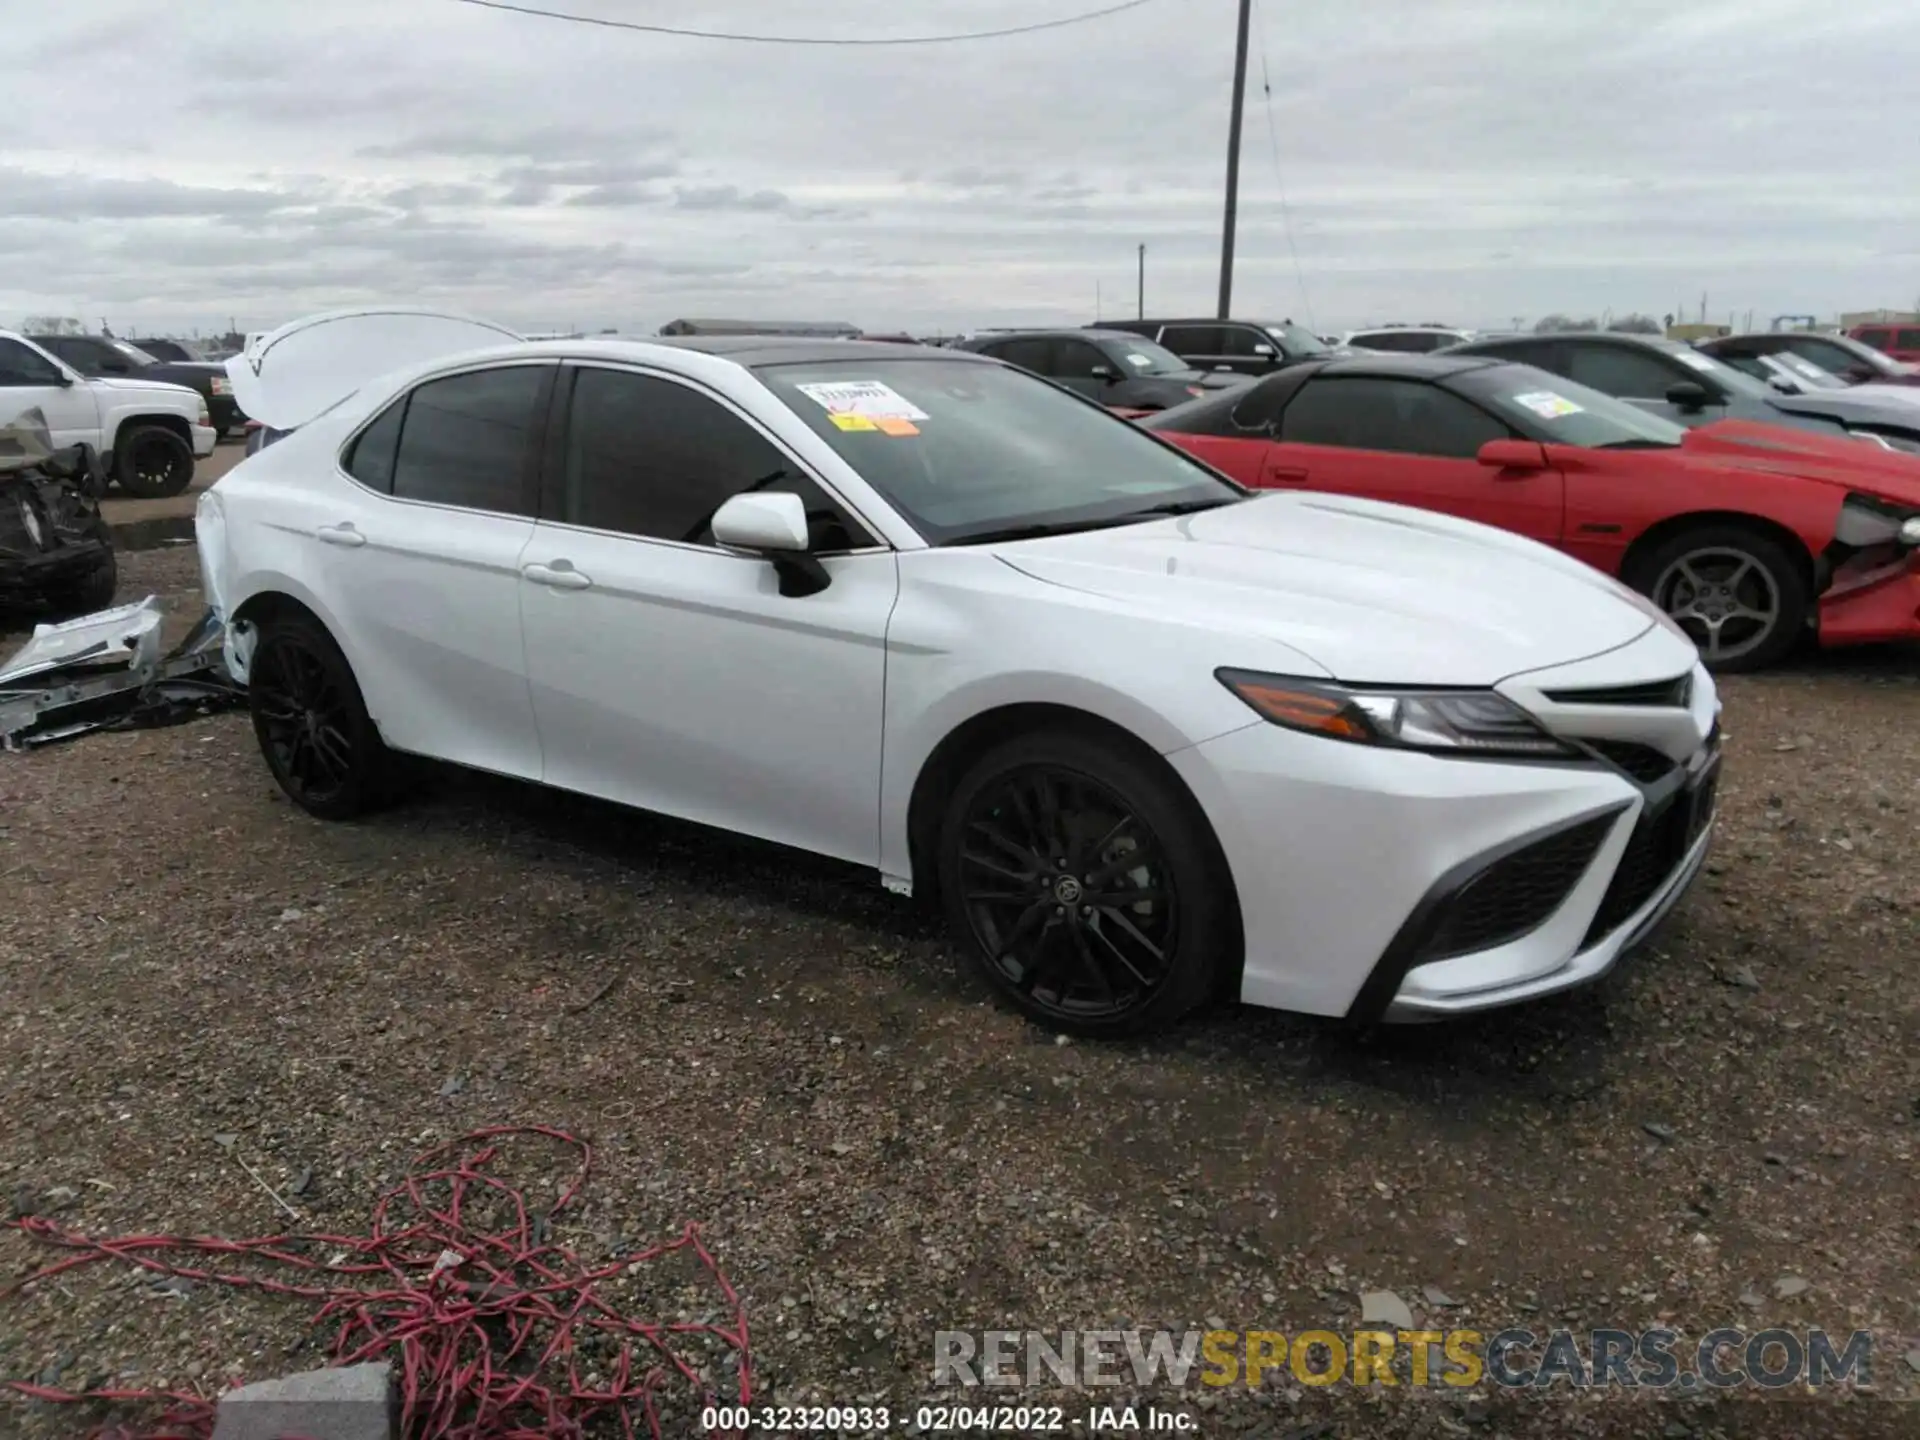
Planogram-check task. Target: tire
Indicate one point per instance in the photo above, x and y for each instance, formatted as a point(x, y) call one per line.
point(152, 462)
point(1753, 582)
point(1002, 875)
point(93, 593)
point(311, 723)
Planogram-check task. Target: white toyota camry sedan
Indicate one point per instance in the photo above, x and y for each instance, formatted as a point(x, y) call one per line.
point(1147, 738)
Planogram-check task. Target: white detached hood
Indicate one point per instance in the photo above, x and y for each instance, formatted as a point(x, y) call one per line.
point(287, 376)
point(1375, 593)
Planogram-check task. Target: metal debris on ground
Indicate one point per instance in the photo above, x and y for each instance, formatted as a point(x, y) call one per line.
point(492, 1328)
point(105, 671)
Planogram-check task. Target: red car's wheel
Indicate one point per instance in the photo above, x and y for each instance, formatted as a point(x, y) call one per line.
point(1742, 596)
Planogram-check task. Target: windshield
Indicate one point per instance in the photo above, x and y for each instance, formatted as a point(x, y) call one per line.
point(1143, 357)
point(133, 353)
point(965, 450)
point(1563, 413)
point(1297, 339)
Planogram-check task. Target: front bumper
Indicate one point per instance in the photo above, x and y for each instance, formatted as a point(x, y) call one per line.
point(1390, 885)
point(205, 437)
point(1884, 606)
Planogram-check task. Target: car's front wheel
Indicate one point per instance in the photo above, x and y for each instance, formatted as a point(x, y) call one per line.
point(151, 461)
point(1084, 884)
point(1739, 594)
point(312, 725)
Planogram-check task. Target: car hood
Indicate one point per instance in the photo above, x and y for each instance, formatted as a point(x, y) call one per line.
point(1371, 592)
point(1837, 460)
point(1850, 407)
point(118, 382)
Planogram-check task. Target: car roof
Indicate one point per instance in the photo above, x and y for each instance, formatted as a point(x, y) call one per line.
point(1063, 332)
point(753, 351)
point(1410, 367)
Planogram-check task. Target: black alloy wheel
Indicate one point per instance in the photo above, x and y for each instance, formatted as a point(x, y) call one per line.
point(1084, 884)
point(311, 723)
point(152, 462)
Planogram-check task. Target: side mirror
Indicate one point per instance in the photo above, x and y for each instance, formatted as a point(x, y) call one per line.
point(1524, 455)
point(1688, 395)
point(1784, 385)
point(1265, 352)
point(1104, 372)
point(775, 526)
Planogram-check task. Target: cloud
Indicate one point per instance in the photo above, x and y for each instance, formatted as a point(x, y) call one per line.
point(1471, 160)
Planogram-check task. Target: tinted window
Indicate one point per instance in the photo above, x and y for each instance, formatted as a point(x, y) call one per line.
point(1906, 340)
point(1547, 407)
point(1187, 340)
point(1238, 342)
point(1382, 340)
point(1034, 355)
point(1879, 339)
point(464, 441)
point(1617, 370)
point(1399, 415)
point(21, 366)
point(370, 458)
point(656, 458)
point(1835, 359)
point(92, 357)
point(1075, 360)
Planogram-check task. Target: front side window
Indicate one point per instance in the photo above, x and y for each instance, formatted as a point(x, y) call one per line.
point(1618, 370)
point(1242, 342)
point(1077, 360)
point(1906, 340)
point(1029, 354)
point(1192, 340)
point(1297, 340)
point(21, 365)
point(964, 450)
point(1404, 416)
point(463, 440)
point(1878, 339)
point(1143, 357)
point(654, 458)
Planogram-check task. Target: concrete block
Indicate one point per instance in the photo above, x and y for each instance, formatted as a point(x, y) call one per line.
point(353, 1402)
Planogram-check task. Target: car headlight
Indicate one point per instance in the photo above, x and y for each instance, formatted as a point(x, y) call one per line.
point(1866, 521)
point(1450, 722)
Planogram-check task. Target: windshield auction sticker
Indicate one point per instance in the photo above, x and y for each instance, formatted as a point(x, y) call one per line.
point(867, 398)
point(1548, 405)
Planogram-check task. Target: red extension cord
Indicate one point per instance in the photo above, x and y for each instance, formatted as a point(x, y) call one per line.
point(483, 1327)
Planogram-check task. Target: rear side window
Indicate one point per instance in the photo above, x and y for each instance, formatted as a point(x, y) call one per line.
point(1034, 355)
point(1187, 340)
point(1879, 339)
point(463, 440)
point(1906, 340)
point(370, 457)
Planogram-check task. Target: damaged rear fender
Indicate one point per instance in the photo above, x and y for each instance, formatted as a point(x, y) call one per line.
point(269, 595)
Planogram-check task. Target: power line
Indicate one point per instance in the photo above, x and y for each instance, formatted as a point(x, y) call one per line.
point(1279, 182)
point(678, 32)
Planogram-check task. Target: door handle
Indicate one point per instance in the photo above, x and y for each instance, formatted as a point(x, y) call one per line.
point(341, 534)
point(1285, 475)
point(558, 576)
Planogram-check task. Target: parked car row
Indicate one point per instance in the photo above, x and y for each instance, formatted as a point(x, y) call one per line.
point(1147, 735)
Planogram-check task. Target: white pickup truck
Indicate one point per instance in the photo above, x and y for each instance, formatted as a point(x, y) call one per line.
point(148, 433)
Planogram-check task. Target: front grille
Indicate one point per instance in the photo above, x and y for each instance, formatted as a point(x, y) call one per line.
point(1675, 694)
point(1642, 762)
point(1658, 845)
point(1515, 894)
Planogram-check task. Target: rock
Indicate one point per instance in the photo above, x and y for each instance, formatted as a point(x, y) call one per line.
point(1788, 1286)
point(1912, 1357)
point(1741, 977)
point(1662, 1133)
point(453, 1085)
point(1753, 1299)
point(1774, 1157)
point(290, 914)
point(352, 1402)
point(226, 1139)
point(1437, 1297)
point(1383, 1307)
point(302, 1182)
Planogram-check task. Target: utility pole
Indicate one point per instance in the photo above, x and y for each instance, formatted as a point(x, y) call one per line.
point(1141, 290)
point(1233, 159)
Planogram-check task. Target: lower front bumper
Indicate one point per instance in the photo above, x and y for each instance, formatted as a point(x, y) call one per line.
point(205, 437)
point(1886, 609)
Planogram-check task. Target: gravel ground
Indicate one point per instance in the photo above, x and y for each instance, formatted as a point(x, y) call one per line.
point(783, 1052)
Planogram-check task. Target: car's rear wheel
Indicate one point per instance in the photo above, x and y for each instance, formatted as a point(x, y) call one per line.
point(150, 461)
point(1084, 884)
point(312, 725)
point(1739, 594)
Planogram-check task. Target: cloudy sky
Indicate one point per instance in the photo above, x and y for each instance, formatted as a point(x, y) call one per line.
point(1471, 161)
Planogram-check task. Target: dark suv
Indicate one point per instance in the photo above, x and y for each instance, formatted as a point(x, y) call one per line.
point(1121, 371)
point(1246, 347)
point(98, 355)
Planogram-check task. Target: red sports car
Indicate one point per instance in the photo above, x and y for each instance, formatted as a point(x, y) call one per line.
point(1748, 535)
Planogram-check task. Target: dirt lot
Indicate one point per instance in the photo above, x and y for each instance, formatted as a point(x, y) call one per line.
point(789, 1055)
